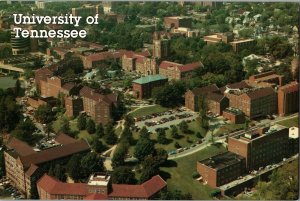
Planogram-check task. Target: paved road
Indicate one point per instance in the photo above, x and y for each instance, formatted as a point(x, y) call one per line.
point(206, 143)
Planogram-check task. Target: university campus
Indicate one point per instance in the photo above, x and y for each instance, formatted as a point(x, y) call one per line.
point(160, 101)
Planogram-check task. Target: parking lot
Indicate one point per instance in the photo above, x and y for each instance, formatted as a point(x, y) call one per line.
point(12, 192)
point(165, 119)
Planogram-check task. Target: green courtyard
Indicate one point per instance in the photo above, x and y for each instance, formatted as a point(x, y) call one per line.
point(179, 172)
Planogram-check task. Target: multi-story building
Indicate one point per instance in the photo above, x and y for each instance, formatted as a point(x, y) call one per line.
point(178, 21)
point(98, 187)
point(240, 45)
point(186, 32)
point(288, 98)
point(41, 75)
point(293, 141)
point(85, 10)
point(221, 169)
point(234, 115)
point(254, 102)
point(218, 37)
point(98, 106)
point(262, 146)
point(161, 46)
point(144, 85)
point(140, 63)
point(176, 71)
point(51, 87)
point(24, 166)
point(97, 59)
point(73, 105)
point(268, 77)
point(216, 101)
point(210, 3)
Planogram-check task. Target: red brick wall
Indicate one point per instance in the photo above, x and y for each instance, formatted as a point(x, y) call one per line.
point(208, 174)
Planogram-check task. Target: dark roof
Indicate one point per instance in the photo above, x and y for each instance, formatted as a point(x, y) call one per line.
point(105, 55)
point(205, 90)
point(20, 147)
point(257, 93)
point(215, 97)
point(145, 190)
point(64, 139)
point(68, 86)
point(238, 85)
point(57, 152)
point(94, 95)
point(222, 160)
point(190, 66)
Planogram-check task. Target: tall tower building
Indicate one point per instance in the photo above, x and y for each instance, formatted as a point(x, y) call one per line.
point(161, 46)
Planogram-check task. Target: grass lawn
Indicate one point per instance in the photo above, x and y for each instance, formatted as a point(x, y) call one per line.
point(148, 110)
point(179, 172)
point(73, 125)
point(290, 122)
point(7, 82)
point(184, 141)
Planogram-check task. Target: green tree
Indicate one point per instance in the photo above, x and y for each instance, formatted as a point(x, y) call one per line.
point(100, 130)
point(90, 126)
point(44, 114)
point(123, 175)
point(174, 132)
point(161, 136)
point(144, 133)
point(91, 163)
point(183, 126)
point(282, 186)
point(119, 155)
point(110, 135)
point(65, 126)
point(98, 146)
point(143, 148)
point(24, 131)
point(127, 135)
point(73, 167)
point(59, 173)
point(81, 122)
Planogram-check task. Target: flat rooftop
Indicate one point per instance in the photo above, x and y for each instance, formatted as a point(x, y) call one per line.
point(222, 160)
point(242, 41)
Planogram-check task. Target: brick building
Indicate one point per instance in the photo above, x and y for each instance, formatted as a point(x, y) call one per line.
point(216, 101)
point(268, 77)
point(24, 166)
point(51, 87)
point(97, 59)
point(41, 75)
point(262, 146)
point(144, 85)
point(221, 169)
point(98, 106)
point(140, 63)
point(288, 98)
point(234, 115)
point(178, 21)
point(240, 45)
point(36, 102)
point(86, 10)
point(176, 71)
point(98, 187)
point(73, 105)
point(218, 37)
point(254, 102)
point(161, 46)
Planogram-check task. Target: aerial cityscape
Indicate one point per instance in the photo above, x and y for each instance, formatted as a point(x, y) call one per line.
point(157, 101)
